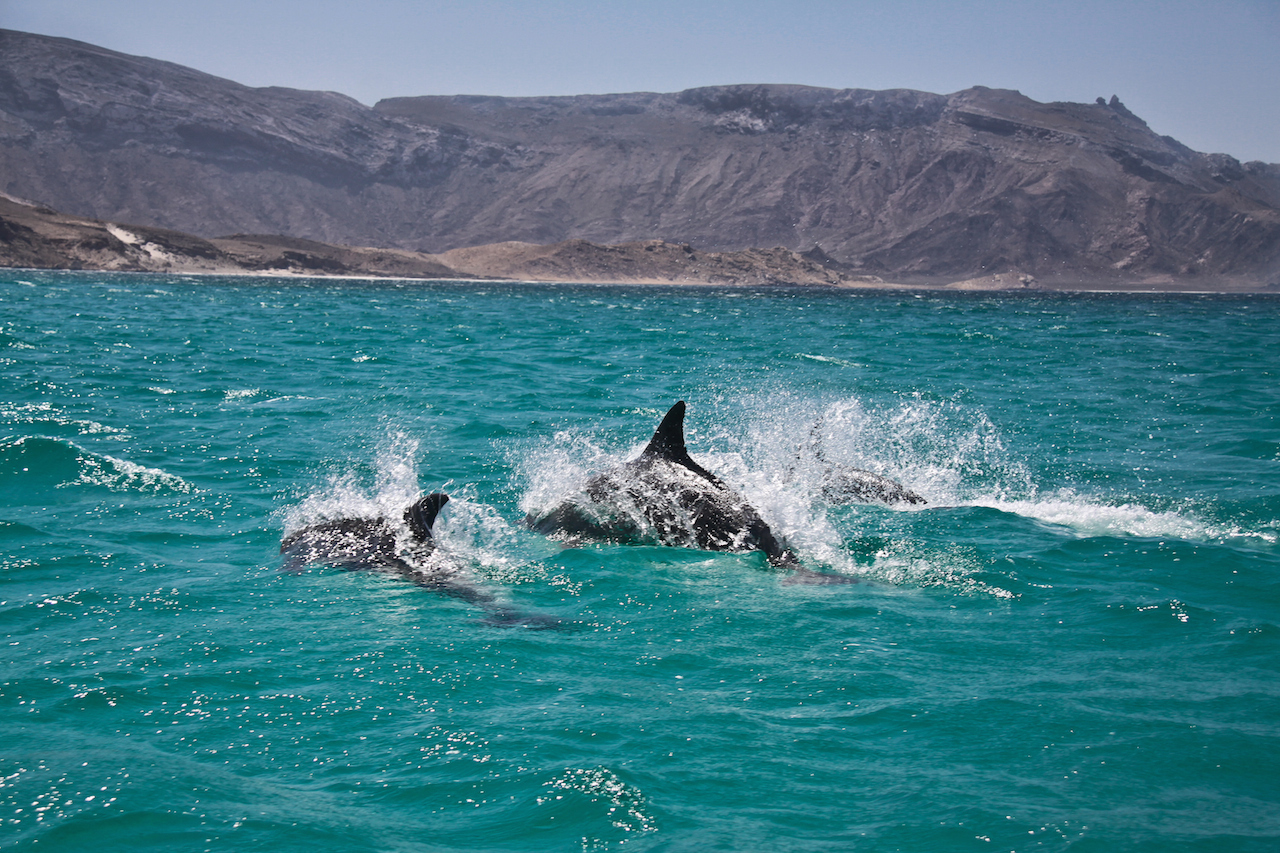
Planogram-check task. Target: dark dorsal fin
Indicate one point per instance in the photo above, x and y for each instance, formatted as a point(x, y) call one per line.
point(421, 515)
point(668, 439)
point(668, 443)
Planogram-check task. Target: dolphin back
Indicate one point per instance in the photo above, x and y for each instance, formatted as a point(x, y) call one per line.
point(347, 543)
point(841, 484)
point(664, 497)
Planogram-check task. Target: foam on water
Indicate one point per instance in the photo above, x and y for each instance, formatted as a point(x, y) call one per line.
point(1086, 516)
point(119, 474)
point(627, 806)
point(46, 415)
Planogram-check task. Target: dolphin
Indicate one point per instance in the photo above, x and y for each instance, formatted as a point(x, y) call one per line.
point(843, 484)
point(376, 544)
point(367, 543)
point(664, 497)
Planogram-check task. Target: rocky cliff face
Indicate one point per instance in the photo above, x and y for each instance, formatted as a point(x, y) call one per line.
point(897, 182)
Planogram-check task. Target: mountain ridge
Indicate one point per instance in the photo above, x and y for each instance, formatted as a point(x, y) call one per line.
point(898, 183)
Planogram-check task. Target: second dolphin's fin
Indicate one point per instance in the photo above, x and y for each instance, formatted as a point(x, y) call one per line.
point(421, 515)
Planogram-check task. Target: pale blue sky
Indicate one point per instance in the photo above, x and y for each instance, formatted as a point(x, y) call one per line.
point(1206, 73)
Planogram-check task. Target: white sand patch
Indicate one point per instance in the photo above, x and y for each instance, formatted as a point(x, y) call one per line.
point(129, 238)
point(124, 236)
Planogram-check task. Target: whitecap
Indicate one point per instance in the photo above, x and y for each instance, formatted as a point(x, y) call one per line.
point(47, 413)
point(626, 805)
point(120, 474)
point(826, 359)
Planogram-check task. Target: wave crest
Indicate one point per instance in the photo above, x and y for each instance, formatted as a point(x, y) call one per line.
point(32, 464)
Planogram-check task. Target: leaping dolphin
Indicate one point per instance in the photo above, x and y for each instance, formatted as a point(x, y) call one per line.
point(664, 497)
point(375, 544)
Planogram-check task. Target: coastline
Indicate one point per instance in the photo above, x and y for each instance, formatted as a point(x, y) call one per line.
point(1082, 288)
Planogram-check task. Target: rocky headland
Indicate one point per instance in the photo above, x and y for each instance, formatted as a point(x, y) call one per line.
point(35, 236)
point(979, 186)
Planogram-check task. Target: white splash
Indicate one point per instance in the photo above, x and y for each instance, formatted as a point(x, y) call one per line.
point(478, 534)
point(345, 494)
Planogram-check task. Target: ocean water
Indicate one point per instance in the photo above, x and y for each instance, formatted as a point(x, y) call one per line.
point(1075, 645)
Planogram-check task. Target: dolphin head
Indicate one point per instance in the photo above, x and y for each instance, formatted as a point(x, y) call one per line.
point(421, 515)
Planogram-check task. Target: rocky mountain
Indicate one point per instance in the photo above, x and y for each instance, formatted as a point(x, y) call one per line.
point(899, 183)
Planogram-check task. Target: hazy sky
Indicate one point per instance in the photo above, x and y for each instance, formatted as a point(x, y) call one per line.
point(1206, 73)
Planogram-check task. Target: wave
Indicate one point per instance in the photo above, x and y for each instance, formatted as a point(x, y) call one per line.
point(33, 464)
point(46, 416)
point(628, 808)
point(11, 341)
point(1095, 516)
point(16, 531)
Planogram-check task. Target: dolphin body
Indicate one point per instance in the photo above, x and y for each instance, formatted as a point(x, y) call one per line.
point(366, 543)
point(664, 497)
point(843, 484)
point(355, 544)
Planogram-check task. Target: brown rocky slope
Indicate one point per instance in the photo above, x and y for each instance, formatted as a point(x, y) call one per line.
point(35, 236)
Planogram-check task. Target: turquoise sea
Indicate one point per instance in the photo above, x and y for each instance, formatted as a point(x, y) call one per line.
point(1075, 645)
